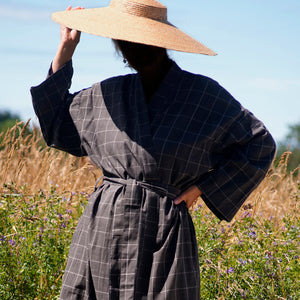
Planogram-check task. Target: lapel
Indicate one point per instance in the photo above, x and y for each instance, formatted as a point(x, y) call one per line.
point(149, 115)
point(165, 95)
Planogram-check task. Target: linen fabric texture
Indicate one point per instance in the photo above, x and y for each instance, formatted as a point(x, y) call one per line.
point(132, 242)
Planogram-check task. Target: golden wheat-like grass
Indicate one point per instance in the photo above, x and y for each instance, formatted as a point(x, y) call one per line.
point(25, 160)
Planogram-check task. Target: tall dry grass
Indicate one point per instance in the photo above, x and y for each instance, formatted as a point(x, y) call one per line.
point(26, 160)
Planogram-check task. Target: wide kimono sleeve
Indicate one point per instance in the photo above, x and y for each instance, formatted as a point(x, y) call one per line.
point(246, 150)
point(57, 115)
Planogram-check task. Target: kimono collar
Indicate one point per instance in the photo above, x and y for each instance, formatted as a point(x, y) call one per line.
point(167, 87)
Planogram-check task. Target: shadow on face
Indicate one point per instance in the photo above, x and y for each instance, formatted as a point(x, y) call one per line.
point(140, 56)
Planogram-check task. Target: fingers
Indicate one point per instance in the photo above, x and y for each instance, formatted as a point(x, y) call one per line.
point(189, 196)
point(75, 8)
point(69, 8)
point(178, 200)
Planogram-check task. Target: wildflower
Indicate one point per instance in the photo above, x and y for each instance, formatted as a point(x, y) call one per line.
point(230, 270)
point(60, 216)
point(296, 257)
point(252, 234)
point(242, 262)
point(11, 242)
point(246, 214)
point(244, 293)
point(2, 239)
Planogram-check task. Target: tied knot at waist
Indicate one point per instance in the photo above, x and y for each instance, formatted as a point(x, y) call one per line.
point(161, 189)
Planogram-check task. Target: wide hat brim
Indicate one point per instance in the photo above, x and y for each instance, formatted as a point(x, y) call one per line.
point(111, 23)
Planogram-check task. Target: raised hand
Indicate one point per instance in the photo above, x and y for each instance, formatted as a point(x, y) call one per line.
point(69, 39)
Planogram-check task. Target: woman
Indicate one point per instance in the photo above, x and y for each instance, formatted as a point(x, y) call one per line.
point(162, 137)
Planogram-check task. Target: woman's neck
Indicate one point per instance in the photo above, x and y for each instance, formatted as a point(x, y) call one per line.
point(153, 75)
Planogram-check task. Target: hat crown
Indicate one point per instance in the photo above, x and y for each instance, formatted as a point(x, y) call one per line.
point(151, 9)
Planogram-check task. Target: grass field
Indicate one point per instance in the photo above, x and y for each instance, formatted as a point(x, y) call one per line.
point(43, 193)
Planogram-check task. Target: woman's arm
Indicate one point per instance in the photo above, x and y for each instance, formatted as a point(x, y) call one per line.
point(248, 150)
point(55, 107)
point(69, 39)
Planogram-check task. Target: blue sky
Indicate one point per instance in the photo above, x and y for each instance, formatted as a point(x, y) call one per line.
point(258, 46)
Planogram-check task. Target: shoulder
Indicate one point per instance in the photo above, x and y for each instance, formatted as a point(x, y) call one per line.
point(115, 84)
point(208, 93)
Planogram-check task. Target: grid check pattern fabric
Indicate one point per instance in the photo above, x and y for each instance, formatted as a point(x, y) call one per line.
point(132, 242)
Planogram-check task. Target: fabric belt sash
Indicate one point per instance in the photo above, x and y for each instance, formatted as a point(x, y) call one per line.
point(162, 190)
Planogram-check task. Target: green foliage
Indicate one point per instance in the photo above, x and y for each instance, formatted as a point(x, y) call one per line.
point(291, 143)
point(8, 120)
point(35, 235)
point(251, 258)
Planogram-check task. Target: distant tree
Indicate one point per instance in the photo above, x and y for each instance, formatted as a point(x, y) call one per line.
point(291, 143)
point(8, 120)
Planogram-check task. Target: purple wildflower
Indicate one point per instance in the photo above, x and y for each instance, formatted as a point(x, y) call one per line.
point(2, 239)
point(11, 242)
point(242, 262)
point(230, 270)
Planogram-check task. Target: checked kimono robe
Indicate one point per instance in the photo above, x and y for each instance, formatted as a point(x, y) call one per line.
point(132, 242)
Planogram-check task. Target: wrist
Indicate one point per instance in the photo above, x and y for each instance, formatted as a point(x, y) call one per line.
point(63, 55)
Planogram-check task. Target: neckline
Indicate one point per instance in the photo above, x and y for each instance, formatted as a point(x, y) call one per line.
point(165, 87)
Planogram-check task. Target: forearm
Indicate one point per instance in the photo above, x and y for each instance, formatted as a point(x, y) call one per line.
point(63, 55)
point(69, 39)
point(227, 186)
point(56, 111)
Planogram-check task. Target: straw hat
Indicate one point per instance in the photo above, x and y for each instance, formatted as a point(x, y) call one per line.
point(139, 21)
